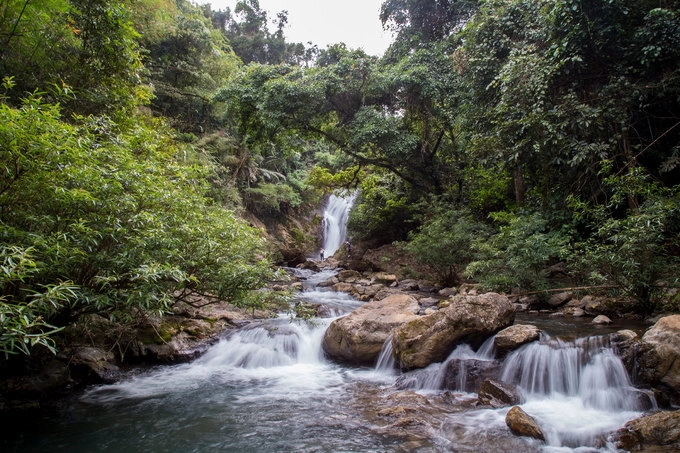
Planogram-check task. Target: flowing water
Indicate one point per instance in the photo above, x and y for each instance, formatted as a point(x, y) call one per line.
point(268, 388)
point(335, 218)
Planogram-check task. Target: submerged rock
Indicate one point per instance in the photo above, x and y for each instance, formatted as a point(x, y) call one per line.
point(523, 424)
point(358, 337)
point(469, 319)
point(467, 374)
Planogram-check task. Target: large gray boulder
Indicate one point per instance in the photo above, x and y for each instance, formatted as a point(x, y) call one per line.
point(468, 319)
point(358, 337)
point(659, 355)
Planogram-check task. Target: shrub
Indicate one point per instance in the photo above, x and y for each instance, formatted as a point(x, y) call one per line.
point(516, 255)
point(95, 219)
point(445, 243)
point(631, 248)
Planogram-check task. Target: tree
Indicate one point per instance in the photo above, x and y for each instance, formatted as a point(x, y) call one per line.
point(187, 61)
point(99, 219)
point(247, 30)
point(419, 23)
point(88, 48)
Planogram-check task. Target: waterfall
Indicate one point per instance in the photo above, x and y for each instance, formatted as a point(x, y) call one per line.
point(462, 370)
point(386, 362)
point(586, 368)
point(335, 218)
point(576, 390)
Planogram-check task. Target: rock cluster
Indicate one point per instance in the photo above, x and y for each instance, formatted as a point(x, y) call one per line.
point(654, 359)
point(358, 337)
point(417, 339)
point(467, 319)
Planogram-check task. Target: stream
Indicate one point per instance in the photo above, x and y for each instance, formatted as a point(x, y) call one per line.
point(269, 388)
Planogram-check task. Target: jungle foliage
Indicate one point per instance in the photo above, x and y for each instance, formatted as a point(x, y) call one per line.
point(554, 123)
point(492, 140)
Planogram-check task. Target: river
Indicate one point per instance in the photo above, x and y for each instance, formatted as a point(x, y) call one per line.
point(269, 388)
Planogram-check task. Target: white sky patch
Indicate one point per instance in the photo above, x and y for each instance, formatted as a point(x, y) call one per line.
point(325, 22)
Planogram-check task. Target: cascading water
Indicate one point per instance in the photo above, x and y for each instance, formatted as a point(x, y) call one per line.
point(335, 218)
point(577, 390)
point(451, 374)
point(386, 362)
point(268, 387)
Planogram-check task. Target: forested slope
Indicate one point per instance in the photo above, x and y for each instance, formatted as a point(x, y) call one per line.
point(492, 140)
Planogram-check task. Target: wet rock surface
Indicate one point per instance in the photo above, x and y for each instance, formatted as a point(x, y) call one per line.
point(523, 424)
point(468, 319)
point(515, 336)
point(497, 393)
point(655, 359)
point(358, 337)
point(660, 429)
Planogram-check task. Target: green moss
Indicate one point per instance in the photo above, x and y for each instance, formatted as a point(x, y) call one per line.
point(159, 335)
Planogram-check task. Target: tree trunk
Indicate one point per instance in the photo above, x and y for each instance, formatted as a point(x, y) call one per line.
point(518, 178)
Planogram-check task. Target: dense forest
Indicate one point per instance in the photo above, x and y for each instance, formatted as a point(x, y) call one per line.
point(492, 141)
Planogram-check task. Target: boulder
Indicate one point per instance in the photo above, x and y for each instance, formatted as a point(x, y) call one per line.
point(662, 428)
point(358, 337)
point(427, 302)
point(594, 306)
point(559, 299)
point(349, 276)
point(659, 355)
point(467, 375)
point(328, 283)
point(515, 336)
point(576, 303)
point(574, 312)
point(448, 292)
point(343, 287)
point(523, 424)
point(601, 319)
point(468, 319)
point(383, 278)
point(93, 365)
point(623, 336)
point(531, 302)
point(409, 285)
point(372, 290)
point(497, 394)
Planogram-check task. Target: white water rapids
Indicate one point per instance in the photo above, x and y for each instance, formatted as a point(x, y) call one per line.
point(269, 388)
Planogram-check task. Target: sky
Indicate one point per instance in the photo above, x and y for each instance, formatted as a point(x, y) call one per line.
point(324, 22)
